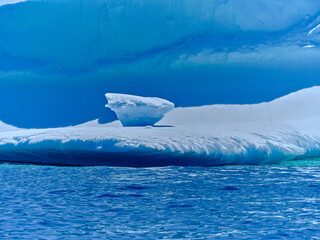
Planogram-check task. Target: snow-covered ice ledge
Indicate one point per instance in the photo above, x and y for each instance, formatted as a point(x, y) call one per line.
point(284, 129)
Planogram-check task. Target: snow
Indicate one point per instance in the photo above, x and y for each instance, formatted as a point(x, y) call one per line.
point(5, 2)
point(297, 106)
point(138, 111)
point(95, 123)
point(6, 127)
point(284, 129)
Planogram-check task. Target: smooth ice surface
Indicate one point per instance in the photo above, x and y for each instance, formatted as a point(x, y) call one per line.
point(284, 129)
point(231, 51)
point(138, 111)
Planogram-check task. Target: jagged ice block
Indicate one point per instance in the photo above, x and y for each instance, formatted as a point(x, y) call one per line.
point(138, 111)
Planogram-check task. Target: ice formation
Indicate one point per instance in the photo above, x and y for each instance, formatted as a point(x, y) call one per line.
point(138, 111)
point(110, 31)
point(284, 129)
point(58, 58)
point(213, 51)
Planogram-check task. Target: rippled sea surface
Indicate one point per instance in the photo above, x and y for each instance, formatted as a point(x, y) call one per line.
point(230, 202)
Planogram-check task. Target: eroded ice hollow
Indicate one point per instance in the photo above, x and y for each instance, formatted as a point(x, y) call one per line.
point(134, 110)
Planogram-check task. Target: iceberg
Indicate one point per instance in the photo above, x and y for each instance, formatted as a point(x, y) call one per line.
point(269, 132)
point(229, 58)
point(138, 111)
point(214, 51)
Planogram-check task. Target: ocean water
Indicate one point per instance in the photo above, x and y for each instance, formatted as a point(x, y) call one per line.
point(227, 202)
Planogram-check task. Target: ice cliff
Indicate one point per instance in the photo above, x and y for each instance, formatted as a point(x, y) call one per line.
point(214, 51)
point(80, 35)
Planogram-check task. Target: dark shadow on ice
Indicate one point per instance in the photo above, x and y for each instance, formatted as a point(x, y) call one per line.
point(127, 159)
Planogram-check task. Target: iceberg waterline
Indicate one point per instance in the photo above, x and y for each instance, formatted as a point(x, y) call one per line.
point(284, 129)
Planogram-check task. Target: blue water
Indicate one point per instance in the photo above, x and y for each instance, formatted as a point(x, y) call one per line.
point(233, 202)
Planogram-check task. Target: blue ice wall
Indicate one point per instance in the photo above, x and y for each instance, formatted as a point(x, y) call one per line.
point(59, 57)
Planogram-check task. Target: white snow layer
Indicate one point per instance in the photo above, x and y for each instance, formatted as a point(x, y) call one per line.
point(138, 111)
point(5, 127)
point(6, 2)
point(284, 129)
